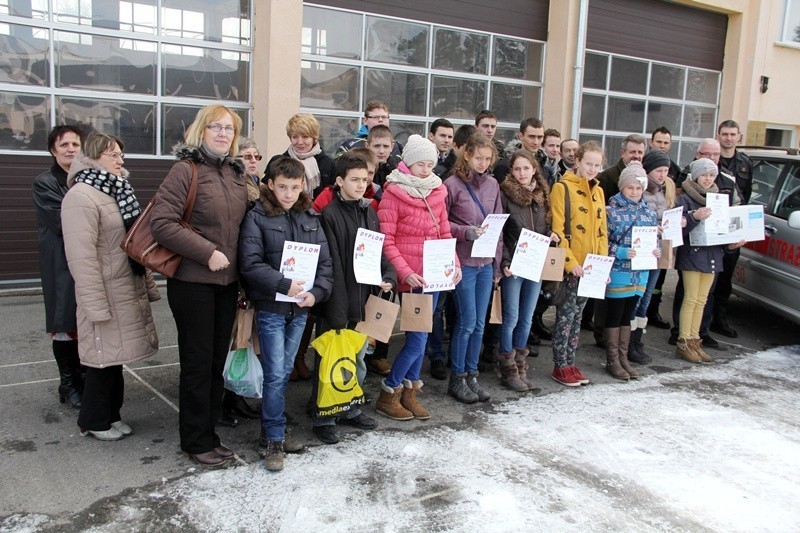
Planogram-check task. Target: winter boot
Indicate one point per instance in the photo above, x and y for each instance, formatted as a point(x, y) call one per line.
point(624, 346)
point(611, 337)
point(542, 331)
point(520, 357)
point(636, 353)
point(474, 386)
point(697, 347)
point(652, 312)
point(720, 322)
point(68, 361)
point(458, 388)
point(685, 352)
point(388, 403)
point(409, 399)
point(509, 372)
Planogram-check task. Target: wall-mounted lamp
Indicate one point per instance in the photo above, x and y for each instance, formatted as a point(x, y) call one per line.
point(764, 84)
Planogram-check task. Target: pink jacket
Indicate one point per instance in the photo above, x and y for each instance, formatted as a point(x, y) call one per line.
point(407, 224)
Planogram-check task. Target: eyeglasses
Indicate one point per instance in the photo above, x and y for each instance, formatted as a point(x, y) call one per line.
point(708, 154)
point(216, 128)
point(378, 117)
point(248, 157)
point(115, 155)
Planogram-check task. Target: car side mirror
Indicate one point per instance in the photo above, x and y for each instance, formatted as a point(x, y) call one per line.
point(794, 220)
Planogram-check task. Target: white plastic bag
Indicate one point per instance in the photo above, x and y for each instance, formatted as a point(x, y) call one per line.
point(243, 373)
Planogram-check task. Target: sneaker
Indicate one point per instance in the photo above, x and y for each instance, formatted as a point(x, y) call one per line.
point(565, 377)
point(110, 434)
point(328, 434)
point(580, 378)
point(379, 366)
point(122, 427)
point(438, 370)
point(273, 460)
point(361, 421)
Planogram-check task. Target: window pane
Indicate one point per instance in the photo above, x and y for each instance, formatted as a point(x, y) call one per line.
point(460, 51)
point(698, 121)
point(593, 111)
point(788, 200)
point(24, 121)
point(625, 115)
point(176, 118)
point(392, 41)
point(667, 115)
point(612, 147)
point(457, 98)
point(131, 122)
point(595, 71)
point(792, 22)
point(514, 58)
point(104, 63)
point(405, 93)
point(205, 73)
point(331, 33)
point(24, 8)
point(73, 11)
point(133, 15)
point(628, 76)
point(25, 55)
point(329, 86)
point(703, 86)
point(667, 81)
point(403, 129)
point(209, 20)
point(512, 103)
point(334, 131)
point(688, 152)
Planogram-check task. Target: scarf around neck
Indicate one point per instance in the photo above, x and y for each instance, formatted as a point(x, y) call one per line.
point(414, 186)
point(696, 192)
point(310, 164)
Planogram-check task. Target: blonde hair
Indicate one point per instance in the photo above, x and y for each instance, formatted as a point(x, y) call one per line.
point(207, 115)
point(303, 124)
point(97, 143)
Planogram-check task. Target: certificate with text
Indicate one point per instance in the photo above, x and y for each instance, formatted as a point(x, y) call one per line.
point(529, 255)
point(486, 244)
point(644, 239)
point(719, 221)
point(367, 253)
point(596, 270)
point(299, 262)
point(671, 228)
point(439, 265)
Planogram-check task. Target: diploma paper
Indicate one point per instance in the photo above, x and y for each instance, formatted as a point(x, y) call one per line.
point(644, 239)
point(298, 262)
point(367, 257)
point(720, 213)
point(529, 255)
point(671, 226)
point(439, 265)
point(486, 244)
point(596, 269)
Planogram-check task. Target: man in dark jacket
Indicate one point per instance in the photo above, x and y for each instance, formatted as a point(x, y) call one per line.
point(632, 150)
point(441, 134)
point(661, 139)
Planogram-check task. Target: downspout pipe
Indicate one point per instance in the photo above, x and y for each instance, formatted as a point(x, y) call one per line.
point(580, 52)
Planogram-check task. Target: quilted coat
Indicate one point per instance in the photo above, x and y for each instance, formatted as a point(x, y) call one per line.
point(623, 214)
point(115, 323)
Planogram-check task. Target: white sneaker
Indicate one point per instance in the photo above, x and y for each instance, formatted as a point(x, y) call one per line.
point(122, 427)
point(109, 434)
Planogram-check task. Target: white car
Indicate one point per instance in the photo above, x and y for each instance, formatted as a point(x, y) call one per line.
point(768, 271)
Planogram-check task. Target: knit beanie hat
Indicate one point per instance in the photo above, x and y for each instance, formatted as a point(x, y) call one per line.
point(419, 149)
point(655, 159)
point(701, 166)
point(633, 173)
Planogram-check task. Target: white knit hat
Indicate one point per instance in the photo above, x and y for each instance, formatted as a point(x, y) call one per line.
point(419, 149)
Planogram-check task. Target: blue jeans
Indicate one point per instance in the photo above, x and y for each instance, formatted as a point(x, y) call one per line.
point(519, 301)
point(433, 348)
point(472, 296)
point(408, 361)
point(644, 301)
point(279, 336)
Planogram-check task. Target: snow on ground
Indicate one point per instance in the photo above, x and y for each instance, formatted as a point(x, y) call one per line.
point(713, 448)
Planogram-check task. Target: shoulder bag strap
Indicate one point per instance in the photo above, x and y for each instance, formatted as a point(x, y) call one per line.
point(567, 213)
point(472, 193)
point(433, 217)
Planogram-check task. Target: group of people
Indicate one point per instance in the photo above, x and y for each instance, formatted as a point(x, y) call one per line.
point(440, 187)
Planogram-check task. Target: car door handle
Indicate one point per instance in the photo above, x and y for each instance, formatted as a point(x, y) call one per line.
point(770, 230)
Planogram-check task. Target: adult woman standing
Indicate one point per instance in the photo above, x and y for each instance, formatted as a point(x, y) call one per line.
point(202, 294)
point(58, 287)
point(303, 132)
point(115, 324)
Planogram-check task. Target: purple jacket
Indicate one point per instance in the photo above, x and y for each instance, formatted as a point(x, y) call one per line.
point(464, 214)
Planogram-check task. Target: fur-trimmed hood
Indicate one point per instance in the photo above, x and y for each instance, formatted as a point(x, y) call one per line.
point(82, 162)
point(273, 208)
point(184, 152)
point(518, 194)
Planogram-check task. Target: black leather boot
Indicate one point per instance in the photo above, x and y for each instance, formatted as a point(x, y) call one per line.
point(720, 322)
point(636, 353)
point(66, 355)
point(653, 316)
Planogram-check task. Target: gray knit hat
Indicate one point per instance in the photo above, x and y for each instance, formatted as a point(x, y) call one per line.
point(655, 159)
point(633, 173)
point(419, 149)
point(701, 166)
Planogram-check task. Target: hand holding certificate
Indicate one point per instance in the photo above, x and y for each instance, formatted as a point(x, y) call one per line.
point(529, 255)
point(486, 244)
point(671, 227)
point(439, 265)
point(596, 270)
point(644, 239)
point(299, 262)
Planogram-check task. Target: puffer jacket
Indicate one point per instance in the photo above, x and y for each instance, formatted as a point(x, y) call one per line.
point(587, 219)
point(706, 259)
point(115, 323)
point(407, 224)
point(525, 212)
point(219, 207)
point(623, 214)
point(465, 214)
point(264, 230)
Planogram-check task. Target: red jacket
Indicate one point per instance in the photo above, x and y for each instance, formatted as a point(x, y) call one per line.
point(407, 224)
point(326, 197)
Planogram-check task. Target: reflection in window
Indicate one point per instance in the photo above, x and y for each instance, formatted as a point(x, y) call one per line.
point(206, 19)
point(25, 57)
point(667, 81)
point(512, 101)
point(628, 76)
point(457, 98)
point(460, 51)
point(73, 11)
point(667, 115)
point(391, 41)
point(36, 9)
point(182, 23)
point(132, 122)
point(236, 31)
point(791, 23)
point(331, 33)
point(138, 17)
point(404, 92)
point(175, 119)
point(625, 115)
point(703, 86)
point(514, 58)
point(24, 122)
point(207, 75)
point(402, 130)
point(329, 86)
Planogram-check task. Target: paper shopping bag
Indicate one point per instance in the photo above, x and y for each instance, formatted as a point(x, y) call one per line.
point(554, 264)
point(243, 328)
point(416, 312)
point(379, 318)
point(667, 259)
point(496, 314)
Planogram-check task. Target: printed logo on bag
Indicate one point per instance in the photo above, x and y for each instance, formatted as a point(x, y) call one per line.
point(417, 310)
point(378, 315)
point(343, 375)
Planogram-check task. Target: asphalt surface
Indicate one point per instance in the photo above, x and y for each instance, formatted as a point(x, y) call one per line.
point(54, 477)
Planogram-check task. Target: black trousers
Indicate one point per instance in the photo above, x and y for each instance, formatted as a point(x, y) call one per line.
point(619, 311)
point(722, 292)
point(204, 316)
point(103, 392)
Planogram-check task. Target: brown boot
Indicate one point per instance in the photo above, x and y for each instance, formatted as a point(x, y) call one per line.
point(697, 346)
point(611, 342)
point(409, 399)
point(509, 374)
point(685, 352)
point(300, 369)
point(624, 345)
point(388, 403)
point(521, 358)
